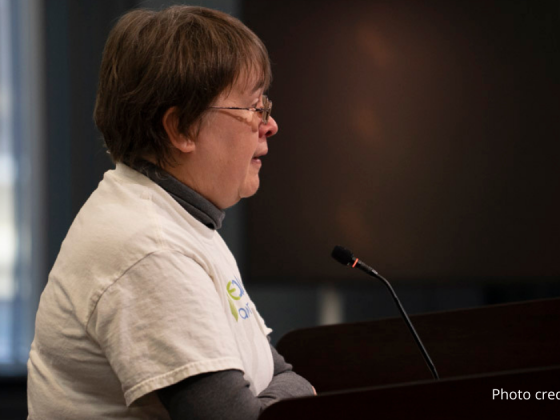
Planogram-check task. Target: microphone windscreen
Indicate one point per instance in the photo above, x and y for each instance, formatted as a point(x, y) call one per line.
point(343, 255)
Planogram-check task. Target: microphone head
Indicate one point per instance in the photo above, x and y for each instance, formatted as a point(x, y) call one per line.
point(343, 255)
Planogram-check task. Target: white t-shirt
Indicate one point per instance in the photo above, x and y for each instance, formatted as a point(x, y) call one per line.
point(142, 296)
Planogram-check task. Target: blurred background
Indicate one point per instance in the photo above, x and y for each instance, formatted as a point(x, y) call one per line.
point(424, 136)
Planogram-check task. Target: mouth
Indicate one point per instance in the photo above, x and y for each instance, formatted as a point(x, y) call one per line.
point(257, 157)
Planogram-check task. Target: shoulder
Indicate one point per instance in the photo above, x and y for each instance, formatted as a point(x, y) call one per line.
point(128, 217)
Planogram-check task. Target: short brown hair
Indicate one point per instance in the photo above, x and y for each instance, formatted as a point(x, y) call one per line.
point(182, 56)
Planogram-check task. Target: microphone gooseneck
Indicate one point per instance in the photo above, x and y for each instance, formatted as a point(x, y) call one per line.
point(346, 257)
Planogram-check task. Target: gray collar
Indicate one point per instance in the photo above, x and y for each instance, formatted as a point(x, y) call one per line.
point(198, 206)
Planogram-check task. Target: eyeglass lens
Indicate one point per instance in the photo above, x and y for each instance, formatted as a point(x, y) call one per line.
point(267, 109)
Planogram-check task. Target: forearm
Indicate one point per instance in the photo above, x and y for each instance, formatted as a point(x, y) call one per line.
point(226, 394)
point(285, 383)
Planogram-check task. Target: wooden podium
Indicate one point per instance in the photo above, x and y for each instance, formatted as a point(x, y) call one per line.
point(447, 399)
point(376, 368)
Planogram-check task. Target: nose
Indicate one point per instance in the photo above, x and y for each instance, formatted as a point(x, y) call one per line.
point(269, 129)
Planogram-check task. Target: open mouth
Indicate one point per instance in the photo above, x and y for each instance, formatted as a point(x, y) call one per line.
point(259, 156)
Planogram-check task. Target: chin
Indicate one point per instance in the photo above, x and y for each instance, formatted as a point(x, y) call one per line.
point(250, 190)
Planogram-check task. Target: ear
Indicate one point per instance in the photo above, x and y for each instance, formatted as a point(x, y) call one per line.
point(180, 141)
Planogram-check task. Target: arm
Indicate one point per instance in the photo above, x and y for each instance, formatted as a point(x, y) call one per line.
point(226, 394)
point(285, 383)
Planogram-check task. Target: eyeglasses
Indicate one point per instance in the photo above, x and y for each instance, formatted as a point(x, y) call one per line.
point(266, 110)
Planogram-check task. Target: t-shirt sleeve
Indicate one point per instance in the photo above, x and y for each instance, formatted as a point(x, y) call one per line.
point(162, 321)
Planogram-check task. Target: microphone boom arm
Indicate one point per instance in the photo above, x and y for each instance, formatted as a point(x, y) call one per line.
point(345, 256)
point(408, 322)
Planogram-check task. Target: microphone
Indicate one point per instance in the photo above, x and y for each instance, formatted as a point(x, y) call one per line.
point(346, 257)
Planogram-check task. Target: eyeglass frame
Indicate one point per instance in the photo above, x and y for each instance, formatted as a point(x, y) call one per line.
point(266, 110)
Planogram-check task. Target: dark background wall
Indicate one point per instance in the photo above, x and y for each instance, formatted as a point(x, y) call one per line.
point(423, 135)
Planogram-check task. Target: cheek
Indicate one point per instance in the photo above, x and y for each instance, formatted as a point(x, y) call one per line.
point(255, 123)
point(237, 165)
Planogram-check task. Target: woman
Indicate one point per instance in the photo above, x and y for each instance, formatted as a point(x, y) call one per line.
point(145, 314)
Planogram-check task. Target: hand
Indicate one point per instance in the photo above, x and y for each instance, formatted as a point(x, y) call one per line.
point(314, 391)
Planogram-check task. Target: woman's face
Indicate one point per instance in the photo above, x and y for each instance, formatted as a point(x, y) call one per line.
point(224, 165)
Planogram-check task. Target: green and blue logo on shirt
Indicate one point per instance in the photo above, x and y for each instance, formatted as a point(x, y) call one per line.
point(235, 292)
